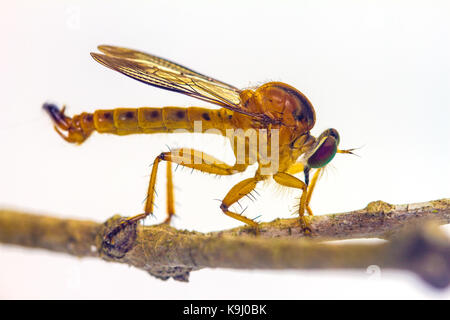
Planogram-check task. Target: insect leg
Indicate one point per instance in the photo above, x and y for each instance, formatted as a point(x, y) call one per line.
point(190, 158)
point(240, 190)
point(170, 194)
point(311, 187)
point(149, 204)
point(287, 180)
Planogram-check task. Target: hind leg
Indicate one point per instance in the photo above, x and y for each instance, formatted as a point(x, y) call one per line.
point(169, 193)
point(190, 158)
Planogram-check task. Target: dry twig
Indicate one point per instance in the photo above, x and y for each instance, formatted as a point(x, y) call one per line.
point(165, 252)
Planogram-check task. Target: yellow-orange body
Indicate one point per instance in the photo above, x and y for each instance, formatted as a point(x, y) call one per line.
point(271, 99)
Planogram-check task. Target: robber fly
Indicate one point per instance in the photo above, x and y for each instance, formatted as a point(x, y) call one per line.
point(272, 107)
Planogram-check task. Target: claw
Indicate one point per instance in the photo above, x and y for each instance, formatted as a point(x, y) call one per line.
point(69, 129)
point(304, 223)
point(59, 118)
point(61, 134)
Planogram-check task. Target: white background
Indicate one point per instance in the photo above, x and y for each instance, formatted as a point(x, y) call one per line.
point(378, 71)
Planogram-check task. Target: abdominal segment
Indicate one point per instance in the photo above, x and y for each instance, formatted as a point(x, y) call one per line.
point(123, 121)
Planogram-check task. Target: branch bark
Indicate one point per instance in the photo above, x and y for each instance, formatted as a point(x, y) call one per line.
point(413, 243)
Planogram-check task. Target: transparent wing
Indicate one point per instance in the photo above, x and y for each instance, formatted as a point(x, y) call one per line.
point(167, 75)
point(159, 62)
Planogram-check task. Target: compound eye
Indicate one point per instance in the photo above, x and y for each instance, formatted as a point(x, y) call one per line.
point(324, 153)
point(334, 134)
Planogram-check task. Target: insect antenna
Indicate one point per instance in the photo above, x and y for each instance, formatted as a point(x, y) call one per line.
point(350, 151)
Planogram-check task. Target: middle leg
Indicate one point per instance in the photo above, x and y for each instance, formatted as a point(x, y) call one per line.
point(240, 190)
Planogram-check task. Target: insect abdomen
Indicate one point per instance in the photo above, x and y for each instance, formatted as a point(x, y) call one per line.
point(124, 121)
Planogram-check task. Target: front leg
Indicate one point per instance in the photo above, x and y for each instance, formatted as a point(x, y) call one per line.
point(287, 180)
point(311, 187)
